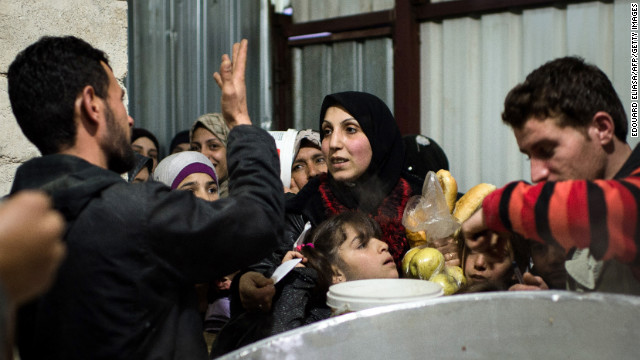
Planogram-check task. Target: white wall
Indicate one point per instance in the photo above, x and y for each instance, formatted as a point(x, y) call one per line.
point(103, 23)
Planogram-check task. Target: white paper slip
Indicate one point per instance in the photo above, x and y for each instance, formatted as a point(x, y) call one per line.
point(284, 269)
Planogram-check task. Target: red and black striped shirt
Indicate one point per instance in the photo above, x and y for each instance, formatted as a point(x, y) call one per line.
point(602, 215)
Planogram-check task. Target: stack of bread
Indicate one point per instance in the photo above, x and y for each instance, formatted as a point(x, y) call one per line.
point(425, 262)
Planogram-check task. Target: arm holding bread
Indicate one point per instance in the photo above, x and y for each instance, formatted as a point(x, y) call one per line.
point(569, 213)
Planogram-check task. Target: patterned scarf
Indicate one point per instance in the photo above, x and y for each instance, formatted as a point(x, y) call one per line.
point(388, 215)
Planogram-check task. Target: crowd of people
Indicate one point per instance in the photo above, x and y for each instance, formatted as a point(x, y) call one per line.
point(129, 255)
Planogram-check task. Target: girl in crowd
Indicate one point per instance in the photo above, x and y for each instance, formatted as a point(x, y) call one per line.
point(145, 143)
point(191, 171)
point(209, 136)
point(499, 269)
point(345, 247)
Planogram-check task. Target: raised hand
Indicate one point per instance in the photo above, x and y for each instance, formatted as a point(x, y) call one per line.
point(231, 80)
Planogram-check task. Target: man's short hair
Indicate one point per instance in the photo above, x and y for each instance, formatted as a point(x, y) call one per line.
point(568, 89)
point(44, 81)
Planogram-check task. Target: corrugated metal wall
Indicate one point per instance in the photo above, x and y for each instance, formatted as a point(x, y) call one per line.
point(319, 70)
point(324, 69)
point(310, 10)
point(467, 66)
point(175, 47)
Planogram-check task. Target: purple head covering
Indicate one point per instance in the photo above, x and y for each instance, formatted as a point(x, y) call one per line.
point(175, 168)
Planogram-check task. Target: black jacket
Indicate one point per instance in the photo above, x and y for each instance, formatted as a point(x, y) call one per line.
point(134, 251)
point(294, 305)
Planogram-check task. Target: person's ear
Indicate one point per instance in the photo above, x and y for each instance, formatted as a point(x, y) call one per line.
point(338, 275)
point(90, 104)
point(602, 128)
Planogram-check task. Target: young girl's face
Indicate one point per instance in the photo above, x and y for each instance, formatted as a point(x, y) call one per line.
point(492, 268)
point(365, 259)
point(201, 185)
point(345, 146)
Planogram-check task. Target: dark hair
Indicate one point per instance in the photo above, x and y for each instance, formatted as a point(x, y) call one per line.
point(181, 137)
point(329, 236)
point(44, 82)
point(568, 89)
point(140, 132)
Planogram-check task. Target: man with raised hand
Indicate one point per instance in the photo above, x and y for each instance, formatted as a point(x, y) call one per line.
point(134, 251)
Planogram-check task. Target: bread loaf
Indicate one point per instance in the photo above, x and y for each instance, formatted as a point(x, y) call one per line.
point(449, 187)
point(471, 201)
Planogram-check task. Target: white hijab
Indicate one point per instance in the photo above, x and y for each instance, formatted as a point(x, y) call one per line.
point(175, 168)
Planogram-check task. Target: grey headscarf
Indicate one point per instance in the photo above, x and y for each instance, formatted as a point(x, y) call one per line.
point(311, 137)
point(214, 123)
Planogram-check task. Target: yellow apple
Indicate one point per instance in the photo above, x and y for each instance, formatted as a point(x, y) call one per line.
point(447, 282)
point(406, 261)
point(457, 274)
point(426, 262)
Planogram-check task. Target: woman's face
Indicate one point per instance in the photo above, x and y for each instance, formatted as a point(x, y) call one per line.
point(208, 144)
point(201, 185)
point(345, 145)
point(142, 175)
point(309, 162)
point(145, 147)
point(366, 259)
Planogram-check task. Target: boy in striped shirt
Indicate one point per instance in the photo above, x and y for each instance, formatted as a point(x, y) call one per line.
point(569, 121)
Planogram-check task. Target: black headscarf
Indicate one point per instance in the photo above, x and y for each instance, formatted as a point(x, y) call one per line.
point(385, 168)
point(421, 155)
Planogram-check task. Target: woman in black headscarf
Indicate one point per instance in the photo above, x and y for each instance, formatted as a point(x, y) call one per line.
point(370, 181)
point(364, 151)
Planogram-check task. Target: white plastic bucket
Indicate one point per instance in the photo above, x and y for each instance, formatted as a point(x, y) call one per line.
point(364, 294)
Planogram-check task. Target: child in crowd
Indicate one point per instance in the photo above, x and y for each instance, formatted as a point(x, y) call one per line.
point(345, 247)
point(499, 269)
point(548, 269)
point(189, 170)
point(192, 171)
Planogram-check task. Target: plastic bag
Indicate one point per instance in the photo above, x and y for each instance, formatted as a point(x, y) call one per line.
point(429, 212)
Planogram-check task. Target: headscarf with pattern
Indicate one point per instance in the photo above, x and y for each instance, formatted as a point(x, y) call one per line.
point(214, 123)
